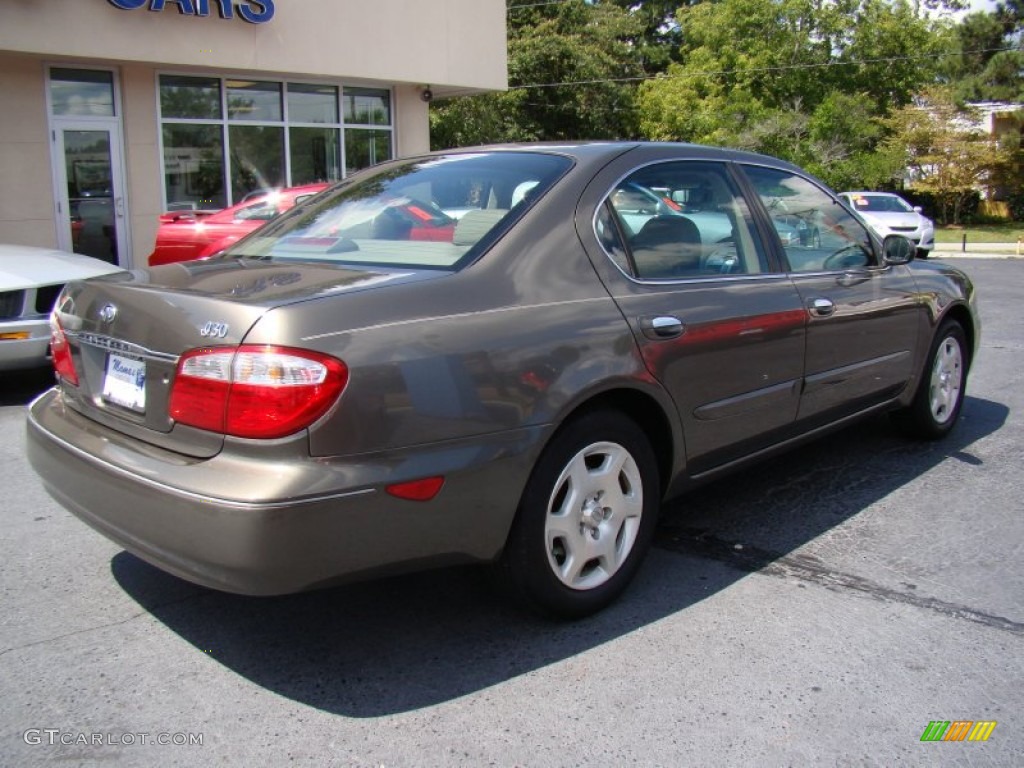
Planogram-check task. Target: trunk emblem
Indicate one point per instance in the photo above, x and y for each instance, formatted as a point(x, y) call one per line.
point(214, 330)
point(108, 313)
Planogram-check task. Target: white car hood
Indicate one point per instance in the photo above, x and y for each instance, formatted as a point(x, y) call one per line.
point(23, 266)
point(892, 218)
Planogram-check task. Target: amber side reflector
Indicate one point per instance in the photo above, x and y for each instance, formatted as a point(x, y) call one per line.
point(14, 336)
point(417, 490)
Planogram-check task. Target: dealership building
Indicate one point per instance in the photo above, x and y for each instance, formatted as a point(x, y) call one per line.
point(115, 111)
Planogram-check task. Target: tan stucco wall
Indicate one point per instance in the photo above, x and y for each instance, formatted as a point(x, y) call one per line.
point(452, 45)
point(26, 185)
point(142, 158)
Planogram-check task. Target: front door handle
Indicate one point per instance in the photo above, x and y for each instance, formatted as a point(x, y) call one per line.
point(662, 327)
point(821, 307)
point(853, 277)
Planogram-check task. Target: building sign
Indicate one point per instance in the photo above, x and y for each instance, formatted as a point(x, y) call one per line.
point(253, 11)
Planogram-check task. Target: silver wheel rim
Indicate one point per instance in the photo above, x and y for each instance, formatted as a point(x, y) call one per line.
point(947, 379)
point(593, 515)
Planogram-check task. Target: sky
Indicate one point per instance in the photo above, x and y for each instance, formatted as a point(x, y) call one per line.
point(974, 6)
point(981, 5)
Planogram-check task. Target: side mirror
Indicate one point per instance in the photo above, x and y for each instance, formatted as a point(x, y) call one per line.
point(918, 209)
point(897, 249)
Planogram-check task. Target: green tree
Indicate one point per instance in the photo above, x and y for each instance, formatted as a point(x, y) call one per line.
point(806, 80)
point(990, 64)
point(946, 151)
point(658, 37)
point(572, 69)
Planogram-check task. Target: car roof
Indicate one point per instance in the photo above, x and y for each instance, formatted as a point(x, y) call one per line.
point(596, 154)
point(584, 151)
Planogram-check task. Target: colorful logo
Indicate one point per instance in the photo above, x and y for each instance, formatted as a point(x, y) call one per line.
point(958, 730)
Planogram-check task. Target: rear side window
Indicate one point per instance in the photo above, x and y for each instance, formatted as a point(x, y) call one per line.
point(817, 233)
point(680, 220)
point(438, 212)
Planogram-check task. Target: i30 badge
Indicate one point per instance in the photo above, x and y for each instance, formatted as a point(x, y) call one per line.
point(214, 330)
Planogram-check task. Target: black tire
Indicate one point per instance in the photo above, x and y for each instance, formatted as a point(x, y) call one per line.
point(922, 253)
point(581, 532)
point(940, 394)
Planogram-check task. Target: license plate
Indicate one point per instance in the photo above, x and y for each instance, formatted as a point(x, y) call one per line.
point(125, 382)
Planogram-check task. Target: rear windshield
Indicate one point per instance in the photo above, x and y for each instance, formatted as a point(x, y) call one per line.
point(436, 213)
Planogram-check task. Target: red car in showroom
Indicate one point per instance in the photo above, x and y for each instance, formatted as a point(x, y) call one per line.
point(187, 235)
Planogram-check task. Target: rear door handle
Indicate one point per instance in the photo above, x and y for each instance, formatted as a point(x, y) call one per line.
point(662, 327)
point(821, 307)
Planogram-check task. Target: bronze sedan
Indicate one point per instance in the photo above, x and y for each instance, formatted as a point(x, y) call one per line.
point(345, 393)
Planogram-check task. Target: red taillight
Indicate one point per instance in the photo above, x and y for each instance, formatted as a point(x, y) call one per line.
point(255, 391)
point(61, 351)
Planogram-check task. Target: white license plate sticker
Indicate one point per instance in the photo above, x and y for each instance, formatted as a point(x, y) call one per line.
point(125, 382)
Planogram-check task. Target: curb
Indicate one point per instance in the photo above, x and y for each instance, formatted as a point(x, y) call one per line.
point(1003, 250)
point(974, 255)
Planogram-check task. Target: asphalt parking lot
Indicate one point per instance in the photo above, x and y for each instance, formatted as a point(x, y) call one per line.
point(822, 609)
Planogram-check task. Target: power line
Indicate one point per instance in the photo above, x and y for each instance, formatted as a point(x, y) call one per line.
point(535, 5)
point(780, 68)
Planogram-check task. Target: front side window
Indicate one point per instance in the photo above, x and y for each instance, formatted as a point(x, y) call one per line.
point(436, 213)
point(226, 138)
point(680, 220)
point(817, 233)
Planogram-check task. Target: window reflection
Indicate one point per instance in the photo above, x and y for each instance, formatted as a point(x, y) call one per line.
point(81, 92)
point(364, 148)
point(249, 100)
point(263, 121)
point(194, 165)
point(190, 97)
point(315, 154)
point(367, 107)
point(257, 158)
point(312, 103)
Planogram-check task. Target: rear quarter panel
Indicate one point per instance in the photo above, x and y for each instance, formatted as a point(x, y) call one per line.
point(518, 339)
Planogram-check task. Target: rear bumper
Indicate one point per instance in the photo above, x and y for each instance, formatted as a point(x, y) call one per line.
point(283, 525)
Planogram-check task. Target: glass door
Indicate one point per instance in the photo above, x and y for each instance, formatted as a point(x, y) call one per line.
point(89, 185)
point(92, 209)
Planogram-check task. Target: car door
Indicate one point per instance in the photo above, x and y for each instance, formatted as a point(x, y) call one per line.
point(863, 314)
point(716, 323)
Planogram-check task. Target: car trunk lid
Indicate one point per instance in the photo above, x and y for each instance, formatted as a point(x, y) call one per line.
point(127, 333)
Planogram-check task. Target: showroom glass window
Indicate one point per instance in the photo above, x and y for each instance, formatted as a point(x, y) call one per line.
point(367, 128)
point(224, 138)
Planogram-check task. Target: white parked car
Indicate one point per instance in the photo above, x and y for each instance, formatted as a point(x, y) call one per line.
point(890, 214)
point(30, 281)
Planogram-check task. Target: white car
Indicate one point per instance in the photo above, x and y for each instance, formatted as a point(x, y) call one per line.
point(890, 214)
point(30, 281)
